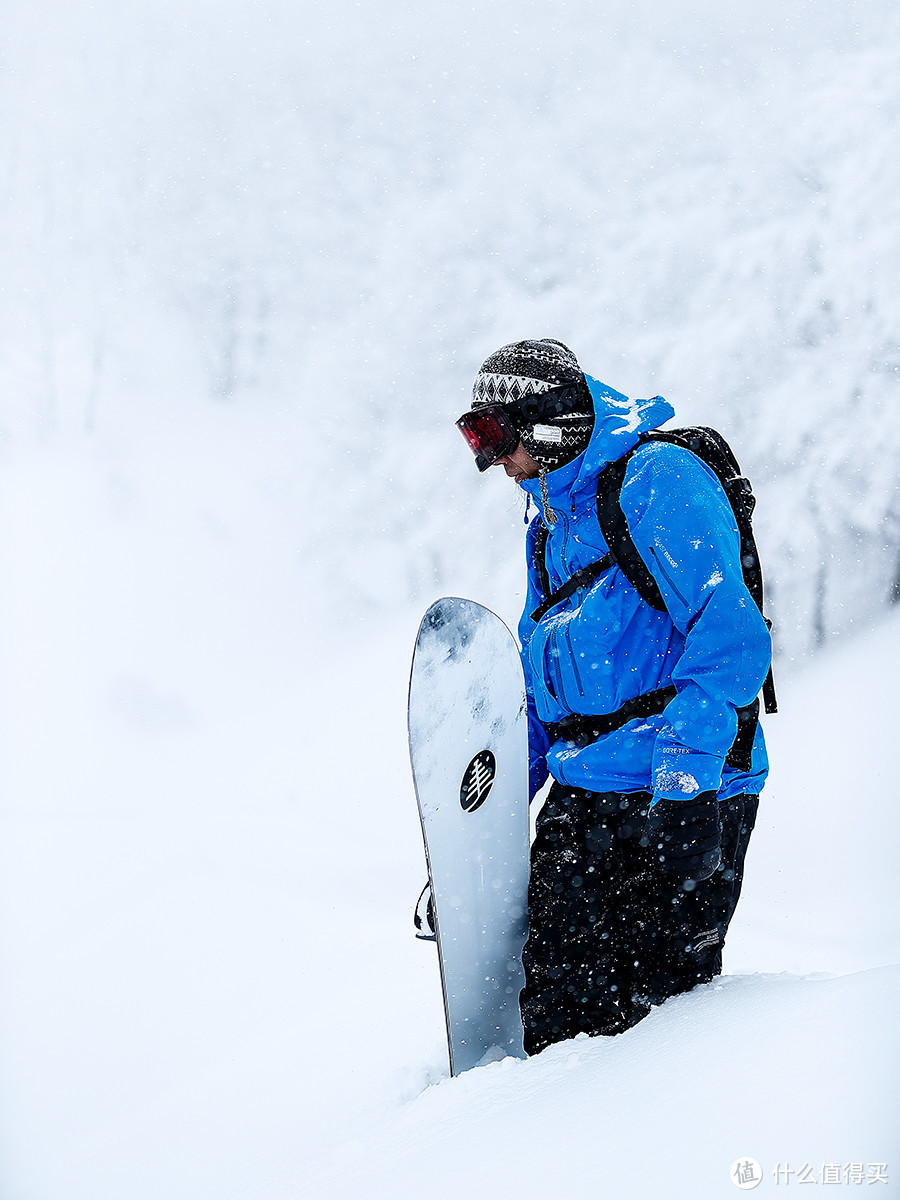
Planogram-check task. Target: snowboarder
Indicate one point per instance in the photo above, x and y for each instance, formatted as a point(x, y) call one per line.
point(638, 857)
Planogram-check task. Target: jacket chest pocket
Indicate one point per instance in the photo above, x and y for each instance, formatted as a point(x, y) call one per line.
point(573, 651)
point(566, 666)
point(576, 543)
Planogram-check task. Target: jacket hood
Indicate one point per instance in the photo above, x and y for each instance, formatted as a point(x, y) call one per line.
point(618, 423)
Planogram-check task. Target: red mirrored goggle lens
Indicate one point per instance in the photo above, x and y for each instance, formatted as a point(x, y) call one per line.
point(489, 434)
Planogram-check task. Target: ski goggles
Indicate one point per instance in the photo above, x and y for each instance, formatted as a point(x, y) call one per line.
point(489, 434)
point(494, 430)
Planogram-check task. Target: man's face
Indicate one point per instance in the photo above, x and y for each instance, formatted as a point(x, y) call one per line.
point(519, 465)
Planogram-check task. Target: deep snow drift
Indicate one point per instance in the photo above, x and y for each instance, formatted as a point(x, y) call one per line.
point(788, 1072)
point(212, 988)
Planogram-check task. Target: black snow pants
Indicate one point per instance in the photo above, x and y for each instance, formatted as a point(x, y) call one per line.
point(610, 934)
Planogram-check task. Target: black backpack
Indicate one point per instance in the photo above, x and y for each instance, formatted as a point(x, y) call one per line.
point(712, 449)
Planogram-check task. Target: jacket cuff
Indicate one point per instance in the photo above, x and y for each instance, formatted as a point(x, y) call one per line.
point(680, 772)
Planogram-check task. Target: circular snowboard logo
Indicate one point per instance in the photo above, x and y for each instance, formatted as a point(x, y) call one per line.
point(477, 781)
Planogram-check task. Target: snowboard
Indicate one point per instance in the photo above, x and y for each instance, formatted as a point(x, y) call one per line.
point(468, 743)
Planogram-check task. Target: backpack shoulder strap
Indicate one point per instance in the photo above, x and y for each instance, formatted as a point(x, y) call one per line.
point(614, 527)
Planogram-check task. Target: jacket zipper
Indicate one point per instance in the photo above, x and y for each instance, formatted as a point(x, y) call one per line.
point(557, 669)
point(555, 673)
point(667, 577)
point(577, 673)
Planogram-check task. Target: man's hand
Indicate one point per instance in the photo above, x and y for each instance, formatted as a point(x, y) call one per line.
point(684, 837)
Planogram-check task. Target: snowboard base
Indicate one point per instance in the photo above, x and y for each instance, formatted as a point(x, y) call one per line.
point(469, 753)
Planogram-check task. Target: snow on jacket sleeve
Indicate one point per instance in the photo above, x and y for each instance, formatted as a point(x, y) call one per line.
point(538, 741)
point(682, 525)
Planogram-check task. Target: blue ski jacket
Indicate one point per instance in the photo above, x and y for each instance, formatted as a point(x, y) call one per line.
point(605, 645)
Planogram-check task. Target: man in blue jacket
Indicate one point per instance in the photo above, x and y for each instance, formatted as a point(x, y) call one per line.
point(637, 862)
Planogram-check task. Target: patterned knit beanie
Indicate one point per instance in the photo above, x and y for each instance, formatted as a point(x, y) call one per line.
point(531, 368)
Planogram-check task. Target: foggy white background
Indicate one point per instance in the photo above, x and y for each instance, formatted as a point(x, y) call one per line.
point(251, 255)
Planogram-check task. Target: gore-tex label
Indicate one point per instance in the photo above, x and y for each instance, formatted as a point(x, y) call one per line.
point(547, 433)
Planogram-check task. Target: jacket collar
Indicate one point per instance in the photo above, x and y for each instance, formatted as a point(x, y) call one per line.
point(618, 423)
